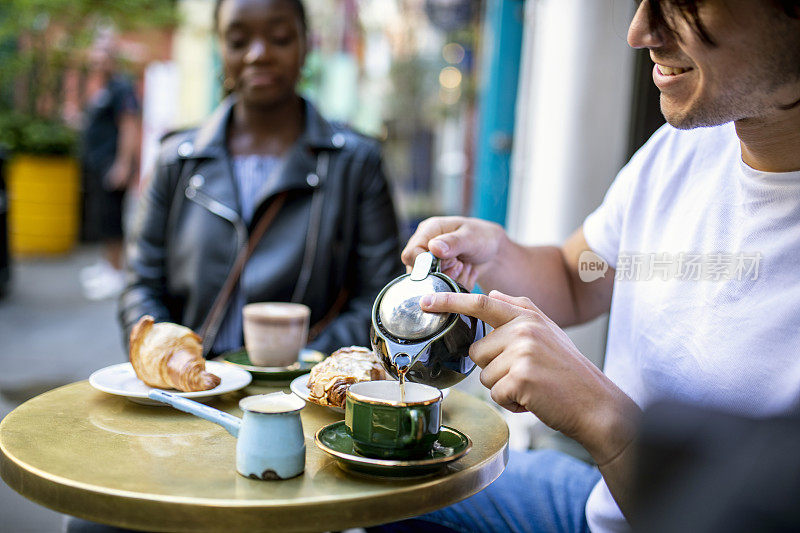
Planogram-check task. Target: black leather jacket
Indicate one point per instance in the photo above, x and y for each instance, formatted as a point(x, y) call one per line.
point(337, 229)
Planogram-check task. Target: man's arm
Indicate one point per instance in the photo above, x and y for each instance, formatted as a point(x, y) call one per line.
point(478, 251)
point(127, 151)
point(529, 364)
point(548, 276)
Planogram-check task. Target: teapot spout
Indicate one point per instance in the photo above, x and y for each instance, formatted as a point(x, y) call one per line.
point(401, 360)
point(229, 422)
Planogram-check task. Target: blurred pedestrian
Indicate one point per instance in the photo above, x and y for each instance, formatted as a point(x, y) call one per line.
point(110, 150)
point(333, 243)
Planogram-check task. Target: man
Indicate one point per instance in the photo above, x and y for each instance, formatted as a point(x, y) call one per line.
point(109, 160)
point(701, 230)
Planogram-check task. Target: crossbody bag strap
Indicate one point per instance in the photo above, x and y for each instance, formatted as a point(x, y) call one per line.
point(332, 313)
point(217, 312)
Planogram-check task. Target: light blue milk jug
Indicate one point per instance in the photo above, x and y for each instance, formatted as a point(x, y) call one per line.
point(270, 443)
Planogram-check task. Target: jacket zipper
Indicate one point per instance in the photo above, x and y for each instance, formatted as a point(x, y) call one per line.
point(223, 211)
point(193, 193)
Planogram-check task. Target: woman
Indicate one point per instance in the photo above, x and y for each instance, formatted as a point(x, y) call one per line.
point(333, 243)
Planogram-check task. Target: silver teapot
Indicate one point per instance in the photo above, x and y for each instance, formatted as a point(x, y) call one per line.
point(433, 348)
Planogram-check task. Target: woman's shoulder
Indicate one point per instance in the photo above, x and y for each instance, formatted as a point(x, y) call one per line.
point(176, 144)
point(353, 140)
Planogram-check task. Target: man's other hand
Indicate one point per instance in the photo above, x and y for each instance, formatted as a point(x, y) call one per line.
point(466, 246)
point(529, 363)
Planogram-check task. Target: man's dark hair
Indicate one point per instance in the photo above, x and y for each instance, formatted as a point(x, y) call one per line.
point(688, 9)
point(297, 5)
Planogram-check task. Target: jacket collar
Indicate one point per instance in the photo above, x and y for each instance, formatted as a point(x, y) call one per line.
point(210, 139)
point(301, 170)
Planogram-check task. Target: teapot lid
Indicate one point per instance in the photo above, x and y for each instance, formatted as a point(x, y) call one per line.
point(399, 309)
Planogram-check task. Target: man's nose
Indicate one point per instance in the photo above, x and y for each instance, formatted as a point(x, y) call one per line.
point(642, 33)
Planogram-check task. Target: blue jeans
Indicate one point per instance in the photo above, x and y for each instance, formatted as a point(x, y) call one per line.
point(539, 491)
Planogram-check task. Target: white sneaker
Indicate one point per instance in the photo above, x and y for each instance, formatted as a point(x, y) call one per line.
point(97, 269)
point(106, 285)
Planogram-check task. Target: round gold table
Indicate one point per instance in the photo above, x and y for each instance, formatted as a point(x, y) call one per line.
point(101, 457)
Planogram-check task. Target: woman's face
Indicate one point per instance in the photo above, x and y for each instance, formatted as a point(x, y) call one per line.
point(263, 49)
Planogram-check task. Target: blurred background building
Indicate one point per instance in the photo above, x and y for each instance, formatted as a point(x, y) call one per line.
point(473, 99)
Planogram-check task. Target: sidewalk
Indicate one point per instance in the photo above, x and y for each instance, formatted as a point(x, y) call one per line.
point(50, 335)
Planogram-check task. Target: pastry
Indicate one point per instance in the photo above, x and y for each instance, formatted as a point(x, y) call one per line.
point(329, 380)
point(169, 356)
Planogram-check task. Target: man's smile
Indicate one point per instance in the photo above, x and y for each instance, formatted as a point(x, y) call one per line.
point(665, 76)
point(671, 71)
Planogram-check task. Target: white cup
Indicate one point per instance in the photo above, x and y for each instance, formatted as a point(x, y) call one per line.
point(275, 332)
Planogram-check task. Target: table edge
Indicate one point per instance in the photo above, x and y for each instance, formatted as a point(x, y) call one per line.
point(37, 490)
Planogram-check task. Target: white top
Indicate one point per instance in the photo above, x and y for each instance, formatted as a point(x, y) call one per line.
point(706, 303)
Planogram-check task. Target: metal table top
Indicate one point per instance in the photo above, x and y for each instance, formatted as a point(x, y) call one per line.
point(101, 457)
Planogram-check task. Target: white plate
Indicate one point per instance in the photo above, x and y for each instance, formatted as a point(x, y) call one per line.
point(299, 386)
point(121, 380)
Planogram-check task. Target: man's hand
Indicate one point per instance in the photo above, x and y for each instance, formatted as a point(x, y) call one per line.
point(529, 363)
point(118, 176)
point(465, 245)
point(121, 172)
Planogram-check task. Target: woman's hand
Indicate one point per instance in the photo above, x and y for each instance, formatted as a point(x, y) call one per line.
point(467, 246)
point(530, 364)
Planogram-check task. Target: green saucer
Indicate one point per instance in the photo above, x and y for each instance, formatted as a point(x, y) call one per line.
point(307, 360)
point(334, 440)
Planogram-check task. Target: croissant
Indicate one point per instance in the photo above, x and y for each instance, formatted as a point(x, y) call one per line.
point(169, 356)
point(330, 379)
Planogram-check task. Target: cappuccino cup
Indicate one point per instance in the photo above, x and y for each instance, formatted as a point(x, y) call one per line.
point(275, 332)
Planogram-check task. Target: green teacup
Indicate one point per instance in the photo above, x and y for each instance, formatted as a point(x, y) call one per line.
point(384, 427)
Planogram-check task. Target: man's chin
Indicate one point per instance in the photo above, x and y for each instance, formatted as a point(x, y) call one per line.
point(688, 119)
point(681, 123)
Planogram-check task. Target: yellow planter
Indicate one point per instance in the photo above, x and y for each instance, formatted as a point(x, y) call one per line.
point(44, 209)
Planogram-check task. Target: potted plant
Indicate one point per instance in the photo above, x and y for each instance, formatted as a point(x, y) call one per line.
point(41, 45)
point(43, 184)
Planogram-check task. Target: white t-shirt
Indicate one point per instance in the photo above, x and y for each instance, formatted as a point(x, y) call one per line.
point(706, 304)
